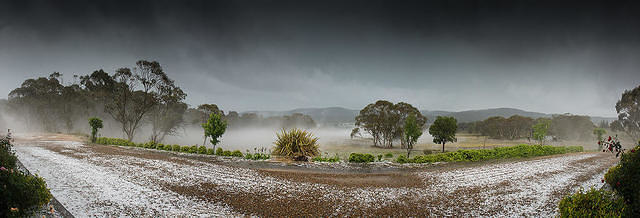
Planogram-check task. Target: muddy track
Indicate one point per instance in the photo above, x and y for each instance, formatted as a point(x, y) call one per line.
point(120, 181)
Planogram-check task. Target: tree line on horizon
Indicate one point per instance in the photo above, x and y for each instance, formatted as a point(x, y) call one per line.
point(129, 98)
point(562, 126)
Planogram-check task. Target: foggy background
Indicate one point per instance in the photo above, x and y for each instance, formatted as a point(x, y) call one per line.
point(544, 56)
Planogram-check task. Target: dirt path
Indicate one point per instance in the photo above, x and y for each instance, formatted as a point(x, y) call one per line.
point(120, 181)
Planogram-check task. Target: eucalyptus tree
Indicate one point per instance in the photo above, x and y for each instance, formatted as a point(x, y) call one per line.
point(628, 109)
point(384, 121)
point(136, 92)
point(166, 117)
point(38, 101)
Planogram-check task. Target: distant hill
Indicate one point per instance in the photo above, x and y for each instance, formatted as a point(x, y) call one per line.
point(338, 115)
point(329, 115)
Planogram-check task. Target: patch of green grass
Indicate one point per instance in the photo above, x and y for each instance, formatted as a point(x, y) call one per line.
point(487, 154)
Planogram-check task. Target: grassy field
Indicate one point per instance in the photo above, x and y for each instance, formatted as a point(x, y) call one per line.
point(343, 148)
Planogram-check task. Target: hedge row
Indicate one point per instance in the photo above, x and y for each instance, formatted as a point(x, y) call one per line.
point(592, 203)
point(193, 149)
point(487, 154)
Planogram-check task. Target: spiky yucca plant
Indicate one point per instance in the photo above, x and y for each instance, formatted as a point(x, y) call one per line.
point(296, 143)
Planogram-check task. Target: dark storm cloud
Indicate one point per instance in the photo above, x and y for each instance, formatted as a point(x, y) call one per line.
point(549, 56)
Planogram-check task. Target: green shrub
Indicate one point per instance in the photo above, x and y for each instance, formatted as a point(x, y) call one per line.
point(17, 190)
point(427, 151)
point(160, 146)
point(193, 149)
point(401, 159)
point(237, 153)
point(219, 152)
point(25, 192)
point(184, 149)
point(168, 147)
point(202, 150)
point(624, 179)
point(592, 203)
point(176, 148)
point(379, 157)
point(210, 151)
point(226, 153)
point(361, 158)
point(326, 159)
point(152, 145)
point(257, 156)
point(388, 155)
point(7, 157)
point(296, 143)
point(517, 151)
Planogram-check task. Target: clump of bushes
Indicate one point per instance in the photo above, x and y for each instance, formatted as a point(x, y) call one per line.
point(193, 149)
point(592, 203)
point(361, 158)
point(297, 144)
point(175, 148)
point(184, 149)
point(326, 159)
point(114, 141)
point(210, 151)
point(624, 179)
point(220, 152)
point(388, 155)
point(168, 147)
point(22, 194)
point(517, 151)
point(237, 153)
point(257, 156)
point(202, 150)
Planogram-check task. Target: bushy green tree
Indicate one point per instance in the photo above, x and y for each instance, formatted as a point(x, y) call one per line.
point(443, 130)
point(214, 128)
point(384, 121)
point(96, 124)
point(540, 129)
point(411, 132)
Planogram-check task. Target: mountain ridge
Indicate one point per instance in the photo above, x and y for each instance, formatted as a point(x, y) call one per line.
point(335, 115)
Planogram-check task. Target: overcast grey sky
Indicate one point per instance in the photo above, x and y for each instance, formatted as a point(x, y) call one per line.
point(550, 57)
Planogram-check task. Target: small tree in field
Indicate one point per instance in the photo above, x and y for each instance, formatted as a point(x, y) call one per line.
point(214, 128)
point(540, 130)
point(411, 132)
point(96, 124)
point(443, 130)
point(599, 132)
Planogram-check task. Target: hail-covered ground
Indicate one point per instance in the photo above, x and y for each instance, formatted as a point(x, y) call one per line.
point(95, 180)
